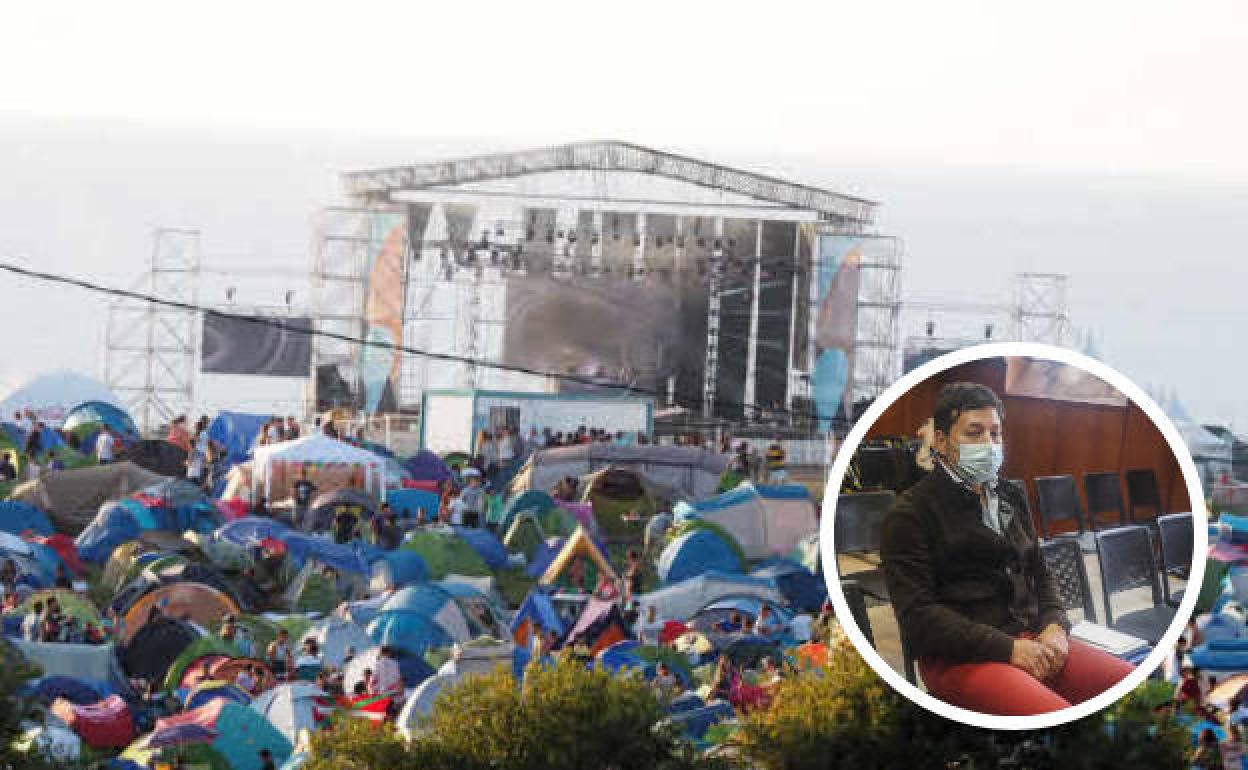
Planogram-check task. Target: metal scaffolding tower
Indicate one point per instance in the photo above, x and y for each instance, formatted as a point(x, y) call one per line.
point(152, 349)
point(1041, 313)
point(876, 361)
point(340, 257)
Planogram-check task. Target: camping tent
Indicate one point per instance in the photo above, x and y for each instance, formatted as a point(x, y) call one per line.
point(155, 647)
point(615, 492)
point(17, 517)
point(537, 611)
point(334, 636)
point(407, 502)
point(237, 432)
point(480, 656)
point(72, 498)
point(203, 604)
point(680, 601)
point(326, 506)
point(807, 554)
point(159, 456)
point(579, 545)
point(54, 395)
point(427, 466)
point(294, 707)
point(600, 625)
point(485, 544)
point(420, 704)
point(240, 732)
point(333, 464)
point(94, 662)
point(445, 553)
point(397, 569)
point(100, 413)
point(419, 618)
point(534, 501)
point(524, 535)
point(683, 471)
point(804, 591)
point(694, 553)
point(766, 521)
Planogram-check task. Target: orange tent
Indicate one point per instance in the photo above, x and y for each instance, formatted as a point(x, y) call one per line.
point(197, 602)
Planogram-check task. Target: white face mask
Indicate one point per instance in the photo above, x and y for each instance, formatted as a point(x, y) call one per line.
point(980, 462)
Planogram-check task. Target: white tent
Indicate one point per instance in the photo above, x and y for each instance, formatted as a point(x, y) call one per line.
point(293, 707)
point(420, 703)
point(276, 466)
point(334, 636)
point(765, 521)
point(682, 600)
point(54, 395)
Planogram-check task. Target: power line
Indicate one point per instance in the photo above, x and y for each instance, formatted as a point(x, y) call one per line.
point(277, 322)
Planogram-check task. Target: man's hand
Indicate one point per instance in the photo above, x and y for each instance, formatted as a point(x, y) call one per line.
point(1054, 637)
point(1033, 657)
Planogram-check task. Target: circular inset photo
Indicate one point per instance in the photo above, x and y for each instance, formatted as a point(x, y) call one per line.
point(1014, 527)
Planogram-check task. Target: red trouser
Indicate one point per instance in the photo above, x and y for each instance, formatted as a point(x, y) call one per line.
point(1005, 690)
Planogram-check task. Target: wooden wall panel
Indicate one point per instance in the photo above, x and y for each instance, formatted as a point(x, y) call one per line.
point(1046, 437)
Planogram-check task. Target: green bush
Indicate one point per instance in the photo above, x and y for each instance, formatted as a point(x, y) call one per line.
point(561, 717)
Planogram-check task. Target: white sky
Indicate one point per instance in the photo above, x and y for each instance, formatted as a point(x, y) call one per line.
point(1105, 139)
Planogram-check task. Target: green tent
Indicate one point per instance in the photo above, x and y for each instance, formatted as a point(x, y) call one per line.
point(210, 644)
point(614, 493)
point(524, 536)
point(557, 522)
point(445, 554)
point(534, 501)
point(72, 604)
point(311, 591)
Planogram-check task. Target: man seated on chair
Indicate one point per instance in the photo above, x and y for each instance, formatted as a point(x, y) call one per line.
point(969, 587)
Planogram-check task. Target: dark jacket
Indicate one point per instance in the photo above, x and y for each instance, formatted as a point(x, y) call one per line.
point(960, 591)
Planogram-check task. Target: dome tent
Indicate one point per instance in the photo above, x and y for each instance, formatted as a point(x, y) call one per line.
point(445, 553)
point(803, 590)
point(97, 414)
point(524, 535)
point(418, 618)
point(695, 553)
point(54, 395)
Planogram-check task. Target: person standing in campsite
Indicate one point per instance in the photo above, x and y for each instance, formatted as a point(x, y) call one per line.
point(291, 431)
point(104, 444)
point(473, 499)
point(8, 469)
point(776, 470)
point(303, 490)
point(32, 622)
point(178, 435)
point(632, 575)
point(33, 469)
point(280, 656)
point(344, 522)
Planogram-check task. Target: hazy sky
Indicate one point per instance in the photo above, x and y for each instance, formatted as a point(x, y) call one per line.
point(1103, 140)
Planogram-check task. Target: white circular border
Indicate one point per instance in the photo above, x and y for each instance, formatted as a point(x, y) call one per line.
point(832, 571)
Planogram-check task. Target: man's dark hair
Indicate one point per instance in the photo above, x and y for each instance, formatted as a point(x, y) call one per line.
point(958, 397)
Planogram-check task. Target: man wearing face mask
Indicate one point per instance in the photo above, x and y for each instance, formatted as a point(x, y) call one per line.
point(972, 596)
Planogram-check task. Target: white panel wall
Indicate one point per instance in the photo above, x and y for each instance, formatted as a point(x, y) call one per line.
point(569, 414)
point(448, 423)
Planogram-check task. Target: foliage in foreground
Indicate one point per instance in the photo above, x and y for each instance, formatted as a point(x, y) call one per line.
point(562, 717)
point(840, 716)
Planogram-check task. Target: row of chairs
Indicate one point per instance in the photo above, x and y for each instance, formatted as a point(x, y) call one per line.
point(1059, 502)
point(1126, 558)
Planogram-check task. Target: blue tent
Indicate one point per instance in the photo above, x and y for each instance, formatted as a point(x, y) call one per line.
point(405, 503)
point(694, 553)
point(418, 618)
point(546, 553)
point(102, 413)
point(237, 432)
point(401, 568)
point(16, 517)
point(538, 610)
point(81, 692)
point(485, 544)
point(113, 525)
point(427, 466)
point(802, 590)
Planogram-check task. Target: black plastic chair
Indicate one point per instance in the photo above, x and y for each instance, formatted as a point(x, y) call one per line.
point(1126, 557)
point(1104, 491)
point(1064, 559)
point(1142, 492)
point(1177, 542)
point(1059, 501)
point(858, 608)
point(859, 518)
